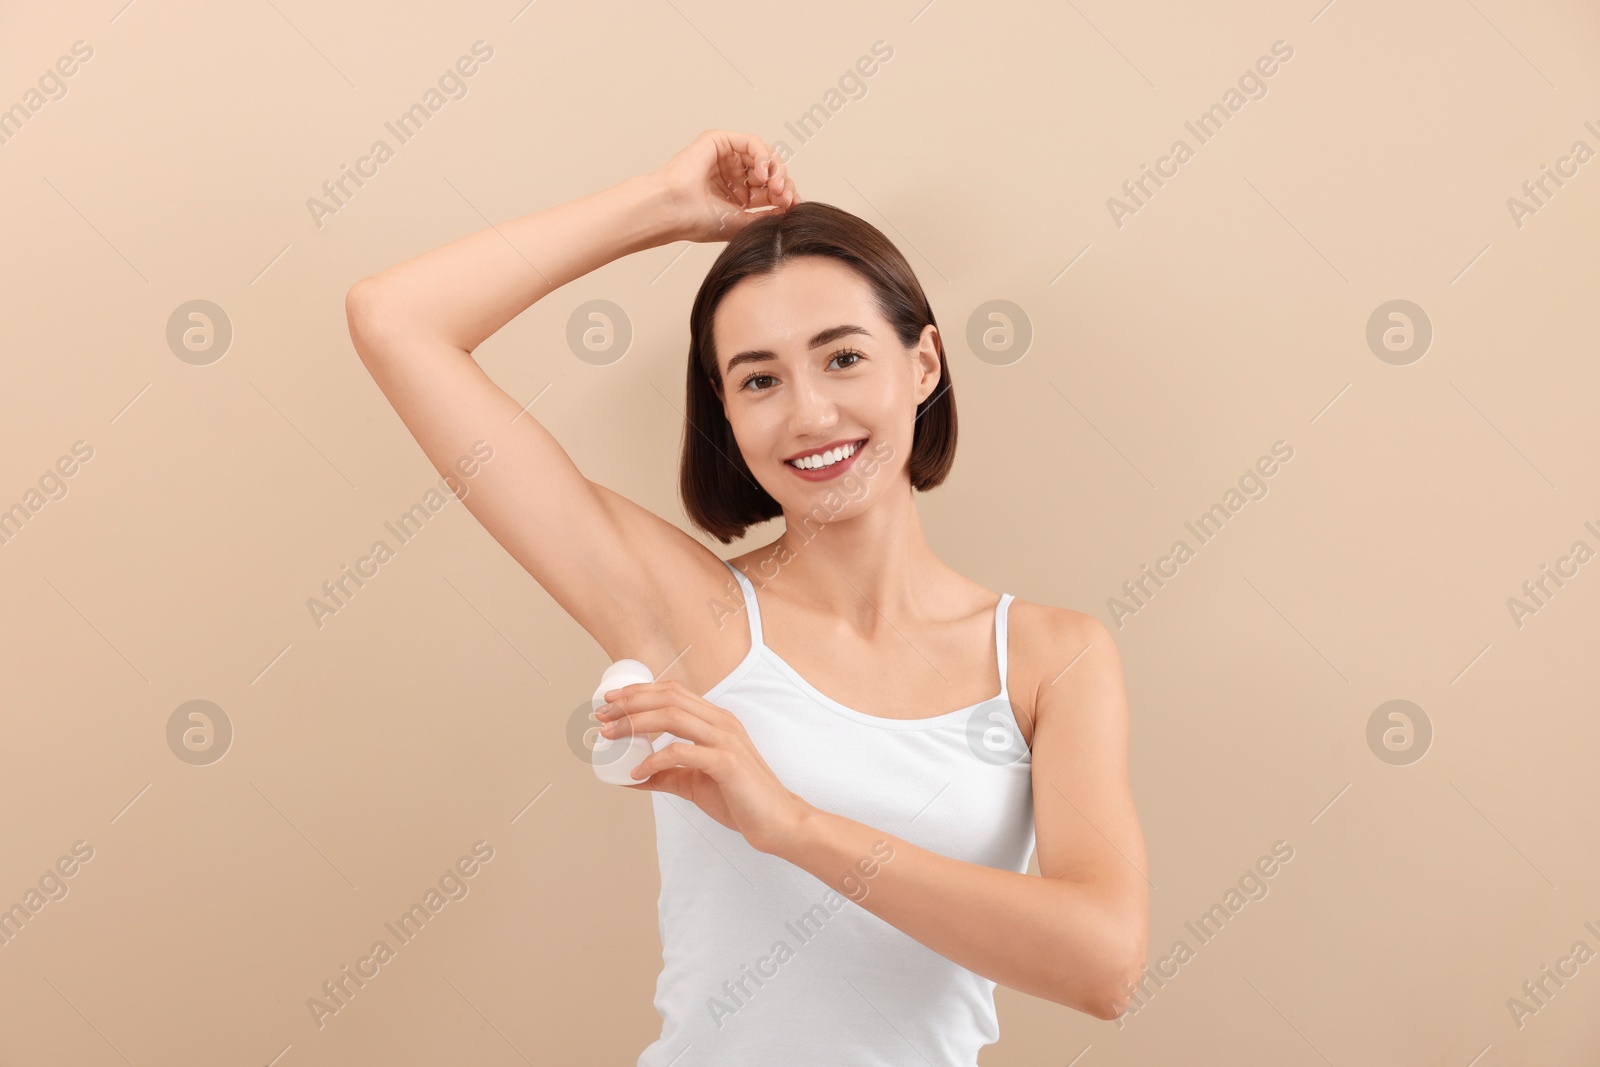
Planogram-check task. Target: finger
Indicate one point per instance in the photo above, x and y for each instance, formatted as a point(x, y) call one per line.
point(756, 155)
point(760, 169)
point(787, 195)
point(629, 696)
point(729, 166)
point(646, 696)
point(791, 194)
point(622, 689)
point(724, 173)
point(749, 146)
point(674, 721)
point(673, 780)
point(758, 177)
point(679, 754)
point(780, 191)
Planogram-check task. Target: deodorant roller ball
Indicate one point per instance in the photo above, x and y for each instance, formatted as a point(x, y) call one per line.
point(614, 759)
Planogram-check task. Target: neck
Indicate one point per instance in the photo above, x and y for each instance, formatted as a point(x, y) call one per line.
point(874, 566)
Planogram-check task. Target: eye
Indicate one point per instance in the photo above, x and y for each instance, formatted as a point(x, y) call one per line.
point(844, 353)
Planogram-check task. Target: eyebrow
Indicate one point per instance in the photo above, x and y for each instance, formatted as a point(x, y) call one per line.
point(832, 333)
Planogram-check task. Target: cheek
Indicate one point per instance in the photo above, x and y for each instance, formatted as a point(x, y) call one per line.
point(752, 433)
point(893, 410)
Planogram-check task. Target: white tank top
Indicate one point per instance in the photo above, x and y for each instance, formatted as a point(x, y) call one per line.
point(763, 963)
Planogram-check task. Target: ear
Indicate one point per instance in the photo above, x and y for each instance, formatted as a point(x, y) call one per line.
point(926, 365)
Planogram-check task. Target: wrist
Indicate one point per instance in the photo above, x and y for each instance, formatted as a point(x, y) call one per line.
point(797, 827)
point(652, 210)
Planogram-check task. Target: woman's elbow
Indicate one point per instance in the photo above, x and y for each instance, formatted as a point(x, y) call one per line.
point(1104, 988)
point(373, 315)
point(360, 304)
point(1124, 970)
point(1114, 1000)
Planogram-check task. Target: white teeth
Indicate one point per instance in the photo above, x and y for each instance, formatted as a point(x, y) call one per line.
point(825, 459)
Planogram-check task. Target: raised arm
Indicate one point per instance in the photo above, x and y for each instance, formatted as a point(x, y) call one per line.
point(415, 325)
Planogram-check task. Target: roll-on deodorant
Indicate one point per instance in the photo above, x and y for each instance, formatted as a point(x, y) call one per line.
point(614, 758)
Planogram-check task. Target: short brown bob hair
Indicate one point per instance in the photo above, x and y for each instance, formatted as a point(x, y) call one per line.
point(720, 495)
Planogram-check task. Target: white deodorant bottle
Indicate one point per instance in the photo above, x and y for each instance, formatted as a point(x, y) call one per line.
point(614, 759)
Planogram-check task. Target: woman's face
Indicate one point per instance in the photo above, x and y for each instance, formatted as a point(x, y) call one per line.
point(808, 362)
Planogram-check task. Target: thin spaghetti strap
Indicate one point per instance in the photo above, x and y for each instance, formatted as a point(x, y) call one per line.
point(1001, 611)
point(752, 610)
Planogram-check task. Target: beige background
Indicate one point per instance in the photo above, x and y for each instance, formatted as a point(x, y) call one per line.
point(1228, 313)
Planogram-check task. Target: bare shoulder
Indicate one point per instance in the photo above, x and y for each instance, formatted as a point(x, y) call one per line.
point(1051, 650)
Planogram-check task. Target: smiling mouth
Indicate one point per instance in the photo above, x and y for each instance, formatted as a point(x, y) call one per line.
point(824, 460)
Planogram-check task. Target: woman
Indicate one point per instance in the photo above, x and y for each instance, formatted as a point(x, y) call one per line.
point(818, 390)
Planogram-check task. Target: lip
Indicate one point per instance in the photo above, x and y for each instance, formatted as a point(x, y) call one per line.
point(823, 474)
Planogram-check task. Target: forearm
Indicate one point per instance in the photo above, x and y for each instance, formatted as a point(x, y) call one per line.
point(466, 290)
point(1064, 941)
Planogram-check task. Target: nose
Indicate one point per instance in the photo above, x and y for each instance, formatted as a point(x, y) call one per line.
point(812, 411)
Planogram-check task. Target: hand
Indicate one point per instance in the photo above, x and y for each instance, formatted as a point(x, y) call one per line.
point(721, 773)
point(710, 183)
